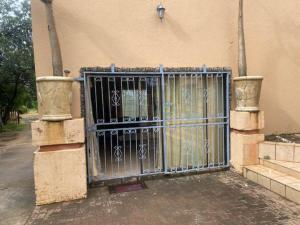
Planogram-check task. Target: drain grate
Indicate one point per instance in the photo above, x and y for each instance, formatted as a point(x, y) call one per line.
point(133, 186)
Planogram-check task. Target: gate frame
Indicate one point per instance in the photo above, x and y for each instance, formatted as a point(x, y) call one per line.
point(160, 71)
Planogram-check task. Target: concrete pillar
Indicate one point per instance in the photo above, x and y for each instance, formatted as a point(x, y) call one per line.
point(59, 161)
point(245, 137)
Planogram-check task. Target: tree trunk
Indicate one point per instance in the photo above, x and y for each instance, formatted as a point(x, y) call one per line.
point(242, 50)
point(11, 102)
point(54, 43)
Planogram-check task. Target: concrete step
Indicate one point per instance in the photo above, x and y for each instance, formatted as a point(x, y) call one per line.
point(279, 151)
point(278, 182)
point(289, 168)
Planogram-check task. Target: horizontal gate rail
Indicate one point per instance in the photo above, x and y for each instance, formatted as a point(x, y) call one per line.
point(156, 121)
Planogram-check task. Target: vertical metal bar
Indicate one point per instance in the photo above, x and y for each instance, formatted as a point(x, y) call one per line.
point(121, 99)
point(96, 97)
point(192, 146)
point(152, 103)
point(116, 105)
point(223, 144)
point(136, 152)
point(124, 150)
point(103, 114)
point(104, 143)
point(178, 130)
point(128, 89)
point(168, 87)
point(148, 149)
point(163, 118)
point(228, 119)
point(213, 127)
point(180, 92)
point(197, 146)
point(174, 96)
point(87, 125)
point(222, 96)
point(139, 98)
point(206, 116)
point(213, 144)
point(203, 147)
point(191, 99)
point(135, 100)
point(141, 151)
point(109, 105)
point(185, 139)
point(146, 100)
point(158, 97)
point(118, 153)
point(111, 155)
point(217, 116)
point(217, 91)
point(130, 160)
point(196, 96)
point(154, 149)
point(192, 115)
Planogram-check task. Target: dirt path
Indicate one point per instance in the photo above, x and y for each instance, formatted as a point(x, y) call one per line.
point(16, 177)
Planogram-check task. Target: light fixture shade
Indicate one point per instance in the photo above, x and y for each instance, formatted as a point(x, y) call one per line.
point(161, 11)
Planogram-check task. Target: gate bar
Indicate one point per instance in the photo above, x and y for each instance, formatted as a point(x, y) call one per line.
point(161, 69)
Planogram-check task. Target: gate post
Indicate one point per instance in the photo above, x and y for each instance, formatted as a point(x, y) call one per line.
point(245, 137)
point(59, 161)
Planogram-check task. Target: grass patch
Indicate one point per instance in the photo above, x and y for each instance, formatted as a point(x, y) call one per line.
point(12, 126)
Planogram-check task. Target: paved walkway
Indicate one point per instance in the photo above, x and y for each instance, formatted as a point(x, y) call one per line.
point(16, 177)
point(222, 198)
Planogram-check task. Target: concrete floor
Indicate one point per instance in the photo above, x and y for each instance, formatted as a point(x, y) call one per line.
point(16, 177)
point(207, 199)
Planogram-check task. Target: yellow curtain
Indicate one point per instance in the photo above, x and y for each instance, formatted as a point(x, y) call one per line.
point(185, 105)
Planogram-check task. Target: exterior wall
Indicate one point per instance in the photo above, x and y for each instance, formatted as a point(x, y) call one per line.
point(194, 32)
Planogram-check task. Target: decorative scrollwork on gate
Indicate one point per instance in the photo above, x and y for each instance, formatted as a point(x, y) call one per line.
point(100, 133)
point(156, 130)
point(118, 154)
point(142, 151)
point(115, 98)
point(113, 132)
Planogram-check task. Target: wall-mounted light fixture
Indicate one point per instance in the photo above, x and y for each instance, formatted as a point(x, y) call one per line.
point(161, 11)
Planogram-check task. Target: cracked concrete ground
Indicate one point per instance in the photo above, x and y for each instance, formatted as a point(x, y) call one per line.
point(208, 199)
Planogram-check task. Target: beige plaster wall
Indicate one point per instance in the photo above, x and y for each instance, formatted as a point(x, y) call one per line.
point(194, 32)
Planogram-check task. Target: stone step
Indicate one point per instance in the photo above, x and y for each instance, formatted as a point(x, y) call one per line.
point(279, 151)
point(289, 168)
point(278, 182)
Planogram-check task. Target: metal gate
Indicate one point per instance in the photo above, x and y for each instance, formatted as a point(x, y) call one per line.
point(151, 121)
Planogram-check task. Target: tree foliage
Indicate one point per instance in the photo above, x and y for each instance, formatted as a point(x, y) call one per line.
point(17, 82)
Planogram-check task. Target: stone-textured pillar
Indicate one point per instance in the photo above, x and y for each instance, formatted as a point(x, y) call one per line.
point(60, 161)
point(245, 136)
